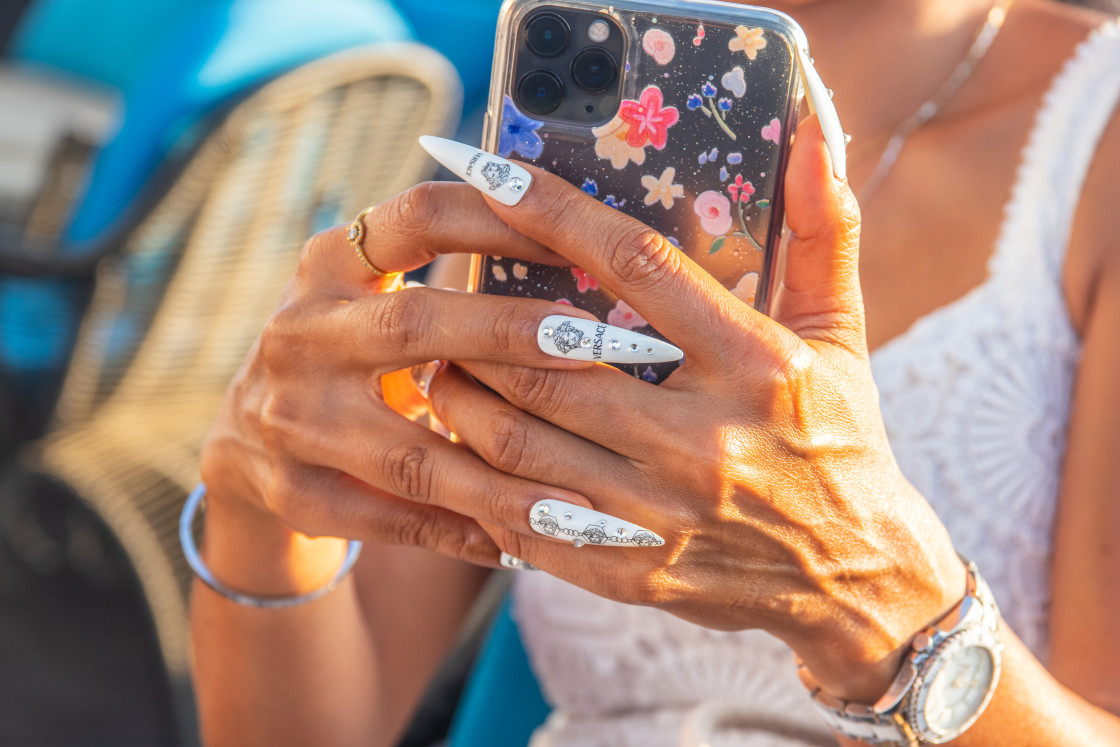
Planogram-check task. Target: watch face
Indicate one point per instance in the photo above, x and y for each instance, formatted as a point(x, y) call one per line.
point(958, 690)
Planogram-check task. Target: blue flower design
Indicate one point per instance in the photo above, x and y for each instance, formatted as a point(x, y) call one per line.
point(519, 133)
point(694, 102)
point(724, 104)
point(735, 158)
point(611, 201)
point(649, 375)
point(708, 90)
point(590, 187)
point(723, 175)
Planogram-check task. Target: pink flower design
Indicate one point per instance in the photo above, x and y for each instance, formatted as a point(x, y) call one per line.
point(741, 191)
point(624, 316)
point(659, 45)
point(584, 282)
point(563, 301)
point(714, 210)
point(648, 120)
point(772, 131)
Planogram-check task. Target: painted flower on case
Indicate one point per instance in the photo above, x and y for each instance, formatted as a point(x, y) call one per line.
point(714, 210)
point(624, 316)
point(662, 188)
point(648, 120)
point(705, 102)
point(584, 282)
point(748, 41)
point(518, 133)
point(741, 190)
point(611, 143)
point(772, 131)
point(747, 288)
point(659, 45)
point(735, 82)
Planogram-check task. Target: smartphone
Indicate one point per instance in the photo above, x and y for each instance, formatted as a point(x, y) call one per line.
point(679, 114)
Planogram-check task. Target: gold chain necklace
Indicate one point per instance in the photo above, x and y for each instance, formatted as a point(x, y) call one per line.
point(927, 111)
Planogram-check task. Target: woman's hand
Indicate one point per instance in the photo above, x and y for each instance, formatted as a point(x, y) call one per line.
point(762, 461)
point(312, 437)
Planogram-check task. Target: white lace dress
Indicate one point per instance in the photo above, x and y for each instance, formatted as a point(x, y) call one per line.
point(976, 398)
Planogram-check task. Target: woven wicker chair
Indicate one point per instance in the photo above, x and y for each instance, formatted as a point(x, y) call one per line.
point(199, 276)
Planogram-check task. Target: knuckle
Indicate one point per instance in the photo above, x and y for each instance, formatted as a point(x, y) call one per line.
point(511, 328)
point(534, 389)
point(395, 320)
point(498, 502)
point(408, 471)
point(282, 337)
point(643, 258)
point(283, 495)
point(412, 214)
point(506, 445)
point(558, 214)
point(412, 529)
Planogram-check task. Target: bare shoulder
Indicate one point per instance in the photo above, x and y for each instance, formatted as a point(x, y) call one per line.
point(1094, 249)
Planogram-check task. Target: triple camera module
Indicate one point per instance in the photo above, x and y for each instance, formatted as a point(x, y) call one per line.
point(567, 66)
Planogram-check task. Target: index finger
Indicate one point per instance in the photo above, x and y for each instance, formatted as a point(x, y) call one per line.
point(634, 261)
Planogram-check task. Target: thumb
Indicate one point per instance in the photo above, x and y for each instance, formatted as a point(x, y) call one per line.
point(820, 296)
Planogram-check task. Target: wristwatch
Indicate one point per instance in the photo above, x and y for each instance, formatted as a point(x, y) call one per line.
point(944, 685)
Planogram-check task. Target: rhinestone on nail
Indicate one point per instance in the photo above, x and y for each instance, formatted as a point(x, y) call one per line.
point(633, 347)
point(579, 542)
point(516, 184)
point(621, 533)
point(649, 351)
point(615, 344)
point(542, 510)
point(567, 515)
point(585, 342)
point(603, 523)
point(548, 331)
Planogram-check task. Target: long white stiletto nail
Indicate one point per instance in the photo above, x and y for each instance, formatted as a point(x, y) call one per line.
point(820, 103)
point(492, 175)
point(517, 564)
point(423, 374)
point(581, 526)
point(583, 340)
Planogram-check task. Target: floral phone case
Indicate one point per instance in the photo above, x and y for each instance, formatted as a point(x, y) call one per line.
point(697, 149)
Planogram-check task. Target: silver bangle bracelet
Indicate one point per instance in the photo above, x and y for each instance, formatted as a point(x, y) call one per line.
point(190, 550)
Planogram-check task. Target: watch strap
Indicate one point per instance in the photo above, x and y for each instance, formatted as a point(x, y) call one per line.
point(885, 723)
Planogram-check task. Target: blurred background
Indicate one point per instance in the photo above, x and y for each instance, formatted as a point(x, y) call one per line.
point(161, 163)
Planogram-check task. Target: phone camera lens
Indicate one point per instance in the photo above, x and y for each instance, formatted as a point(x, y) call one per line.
point(547, 34)
point(540, 91)
point(594, 70)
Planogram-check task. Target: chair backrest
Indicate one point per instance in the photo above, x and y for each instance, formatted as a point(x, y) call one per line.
point(306, 152)
point(199, 277)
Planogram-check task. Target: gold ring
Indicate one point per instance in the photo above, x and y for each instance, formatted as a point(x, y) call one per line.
point(354, 235)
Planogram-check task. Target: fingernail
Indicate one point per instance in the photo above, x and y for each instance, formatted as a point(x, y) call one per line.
point(437, 426)
point(492, 175)
point(580, 526)
point(517, 564)
point(583, 340)
point(422, 375)
point(821, 104)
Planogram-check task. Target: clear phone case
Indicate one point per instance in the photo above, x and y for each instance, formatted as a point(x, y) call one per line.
point(709, 99)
